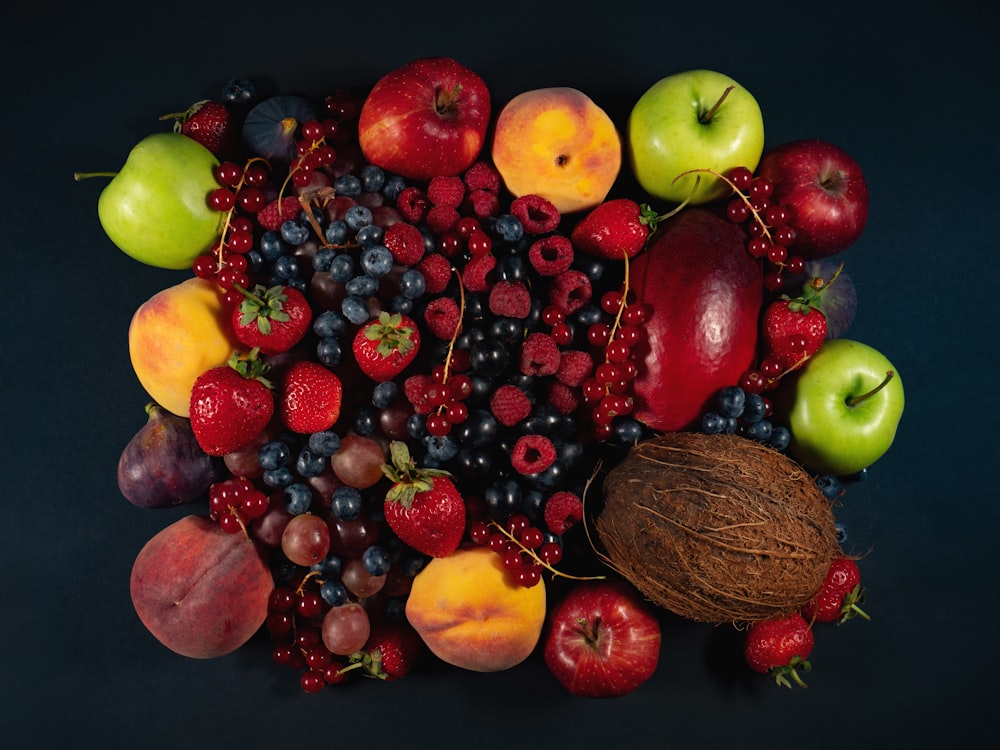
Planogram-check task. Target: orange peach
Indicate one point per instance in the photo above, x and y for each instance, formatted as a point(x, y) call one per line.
point(175, 336)
point(557, 143)
point(471, 615)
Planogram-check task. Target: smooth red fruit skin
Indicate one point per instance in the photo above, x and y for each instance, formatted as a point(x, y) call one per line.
point(622, 649)
point(703, 293)
point(200, 591)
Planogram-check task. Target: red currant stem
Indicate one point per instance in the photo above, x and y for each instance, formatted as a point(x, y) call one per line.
point(797, 365)
point(537, 559)
point(302, 584)
point(706, 117)
point(295, 167)
point(756, 214)
point(855, 400)
point(220, 264)
point(618, 316)
point(78, 176)
point(454, 335)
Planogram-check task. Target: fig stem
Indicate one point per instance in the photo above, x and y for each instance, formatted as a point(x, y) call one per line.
point(855, 400)
point(705, 117)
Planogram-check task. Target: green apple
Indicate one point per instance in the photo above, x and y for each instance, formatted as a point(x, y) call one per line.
point(698, 119)
point(155, 209)
point(842, 407)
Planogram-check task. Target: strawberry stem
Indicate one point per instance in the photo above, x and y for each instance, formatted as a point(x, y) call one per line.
point(855, 400)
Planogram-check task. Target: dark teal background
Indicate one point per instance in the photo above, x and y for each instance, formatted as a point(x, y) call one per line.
point(911, 93)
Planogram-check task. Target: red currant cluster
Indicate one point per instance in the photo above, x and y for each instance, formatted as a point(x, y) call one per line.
point(236, 502)
point(313, 150)
point(771, 233)
point(522, 547)
point(447, 393)
point(292, 624)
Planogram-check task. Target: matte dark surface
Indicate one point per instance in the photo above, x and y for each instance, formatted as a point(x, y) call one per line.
point(904, 91)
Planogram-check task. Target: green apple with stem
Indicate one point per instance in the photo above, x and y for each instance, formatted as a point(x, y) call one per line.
point(155, 208)
point(697, 119)
point(842, 407)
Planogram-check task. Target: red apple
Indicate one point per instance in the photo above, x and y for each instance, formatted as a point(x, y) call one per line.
point(603, 640)
point(425, 119)
point(826, 190)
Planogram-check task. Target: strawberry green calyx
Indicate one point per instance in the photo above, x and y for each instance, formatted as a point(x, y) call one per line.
point(850, 607)
point(251, 366)
point(407, 478)
point(390, 334)
point(781, 674)
point(263, 305)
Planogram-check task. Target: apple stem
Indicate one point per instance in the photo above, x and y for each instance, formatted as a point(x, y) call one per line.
point(87, 175)
point(855, 400)
point(706, 117)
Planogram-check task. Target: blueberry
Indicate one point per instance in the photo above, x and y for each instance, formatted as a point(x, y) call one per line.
point(329, 567)
point(294, 231)
point(280, 477)
point(286, 267)
point(330, 324)
point(593, 268)
point(365, 421)
point(309, 463)
point(345, 503)
point(401, 304)
point(780, 438)
point(760, 430)
point(588, 315)
point(273, 455)
point(442, 448)
point(393, 186)
point(375, 560)
point(627, 431)
point(342, 268)
point(509, 227)
point(358, 216)
point(362, 286)
point(329, 351)
point(713, 423)
point(324, 443)
point(336, 232)
point(355, 309)
point(297, 497)
point(829, 485)
point(412, 284)
point(334, 593)
point(384, 394)
point(372, 178)
point(238, 92)
point(348, 185)
point(416, 426)
point(731, 401)
point(271, 246)
point(376, 260)
point(841, 531)
point(322, 259)
point(369, 235)
point(754, 408)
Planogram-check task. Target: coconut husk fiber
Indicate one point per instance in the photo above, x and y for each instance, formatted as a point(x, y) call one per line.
point(716, 528)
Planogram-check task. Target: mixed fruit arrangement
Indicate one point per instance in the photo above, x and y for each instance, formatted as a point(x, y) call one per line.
point(423, 342)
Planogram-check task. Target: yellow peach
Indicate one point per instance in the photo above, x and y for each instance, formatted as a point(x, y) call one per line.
point(471, 615)
point(557, 143)
point(175, 336)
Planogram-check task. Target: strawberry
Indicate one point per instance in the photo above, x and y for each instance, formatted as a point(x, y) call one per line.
point(613, 228)
point(794, 328)
point(209, 123)
point(231, 405)
point(309, 397)
point(273, 320)
point(839, 595)
point(780, 646)
point(390, 651)
point(383, 348)
point(422, 506)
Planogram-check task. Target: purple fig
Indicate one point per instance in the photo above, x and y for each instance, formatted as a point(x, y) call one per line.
point(271, 128)
point(163, 465)
point(839, 303)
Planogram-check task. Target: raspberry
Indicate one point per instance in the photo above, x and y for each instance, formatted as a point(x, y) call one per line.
point(539, 355)
point(446, 191)
point(412, 203)
point(476, 271)
point(570, 290)
point(405, 242)
point(564, 399)
point(562, 511)
point(481, 203)
point(442, 219)
point(437, 272)
point(532, 454)
point(483, 176)
point(536, 214)
point(551, 255)
point(442, 316)
point(575, 366)
point(509, 404)
point(415, 388)
point(277, 212)
point(510, 299)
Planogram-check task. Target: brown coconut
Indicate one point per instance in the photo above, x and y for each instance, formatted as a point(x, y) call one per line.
point(717, 528)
